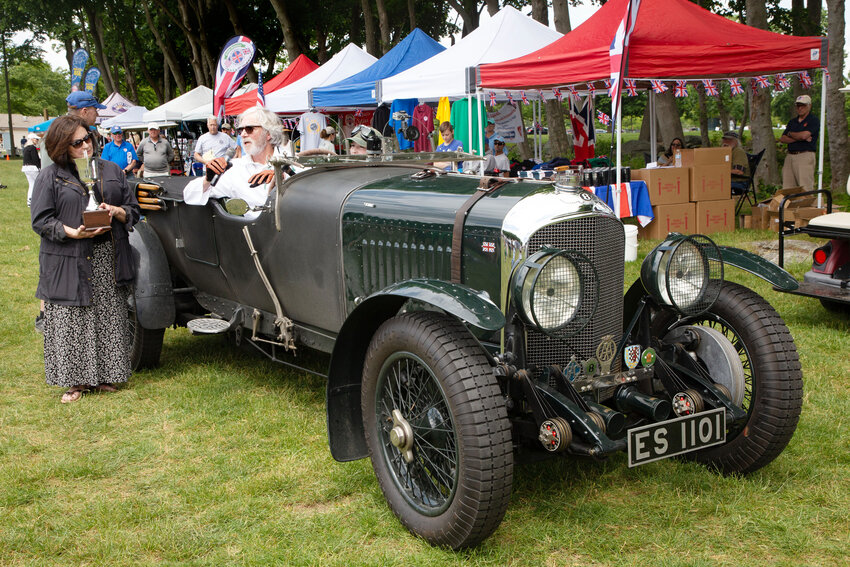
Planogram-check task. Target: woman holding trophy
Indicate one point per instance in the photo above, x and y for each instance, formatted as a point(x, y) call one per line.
point(83, 210)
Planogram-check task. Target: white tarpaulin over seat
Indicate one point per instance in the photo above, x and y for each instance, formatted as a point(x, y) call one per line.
point(174, 109)
point(505, 36)
point(294, 98)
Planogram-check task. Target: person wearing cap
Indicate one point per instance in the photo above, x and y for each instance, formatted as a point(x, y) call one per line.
point(213, 144)
point(489, 132)
point(120, 151)
point(801, 135)
point(740, 164)
point(31, 162)
point(84, 105)
point(155, 154)
point(358, 145)
point(498, 160)
point(326, 136)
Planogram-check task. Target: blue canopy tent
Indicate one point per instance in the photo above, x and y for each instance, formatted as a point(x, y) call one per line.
point(41, 126)
point(360, 88)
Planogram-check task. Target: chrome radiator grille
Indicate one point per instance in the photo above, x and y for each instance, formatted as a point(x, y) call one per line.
point(601, 239)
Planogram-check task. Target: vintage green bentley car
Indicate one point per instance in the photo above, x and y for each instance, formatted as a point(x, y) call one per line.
point(472, 321)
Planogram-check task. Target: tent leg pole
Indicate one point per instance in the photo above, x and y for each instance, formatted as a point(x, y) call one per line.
point(480, 132)
point(653, 135)
point(619, 137)
point(821, 137)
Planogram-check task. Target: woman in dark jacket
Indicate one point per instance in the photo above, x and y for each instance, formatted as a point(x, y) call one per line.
point(83, 274)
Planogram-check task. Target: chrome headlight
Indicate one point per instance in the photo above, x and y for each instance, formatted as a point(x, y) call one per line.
point(550, 289)
point(684, 272)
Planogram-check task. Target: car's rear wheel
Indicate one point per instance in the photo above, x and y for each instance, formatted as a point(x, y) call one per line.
point(437, 429)
point(772, 384)
point(146, 345)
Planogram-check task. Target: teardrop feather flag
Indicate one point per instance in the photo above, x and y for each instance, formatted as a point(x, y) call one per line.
point(233, 62)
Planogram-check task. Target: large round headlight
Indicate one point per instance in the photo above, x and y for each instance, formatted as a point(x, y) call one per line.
point(684, 272)
point(550, 288)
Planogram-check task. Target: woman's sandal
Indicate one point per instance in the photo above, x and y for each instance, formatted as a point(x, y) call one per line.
point(73, 394)
point(105, 387)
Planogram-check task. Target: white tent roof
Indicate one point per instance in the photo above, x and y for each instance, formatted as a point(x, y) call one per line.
point(174, 109)
point(293, 97)
point(505, 36)
point(115, 105)
point(130, 117)
point(199, 113)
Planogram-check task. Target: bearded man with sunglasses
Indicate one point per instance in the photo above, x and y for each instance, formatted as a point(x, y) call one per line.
point(249, 177)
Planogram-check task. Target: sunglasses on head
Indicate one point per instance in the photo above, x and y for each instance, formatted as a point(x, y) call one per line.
point(247, 129)
point(81, 141)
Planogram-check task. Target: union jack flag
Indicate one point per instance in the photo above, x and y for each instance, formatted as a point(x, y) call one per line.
point(542, 98)
point(619, 54)
point(488, 247)
point(826, 73)
point(631, 87)
point(523, 97)
point(509, 97)
point(557, 93)
point(584, 133)
point(762, 81)
point(602, 117)
point(681, 89)
point(261, 96)
point(233, 62)
point(492, 98)
point(591, 89)
point(608, 86)
point(735, 86)
point(782, 82)
point(658, 87)
point(710, 87)
point(358, 112)
point(573, 91)
point(805, 79)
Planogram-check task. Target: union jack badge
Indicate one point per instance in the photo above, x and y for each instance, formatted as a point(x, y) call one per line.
point(488, 247)
point(631, 354)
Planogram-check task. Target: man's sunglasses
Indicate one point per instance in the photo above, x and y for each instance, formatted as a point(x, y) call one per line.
point(498, 143)
point(81, 141)
point(247, 129)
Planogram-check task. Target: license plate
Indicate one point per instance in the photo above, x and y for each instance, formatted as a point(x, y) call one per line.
point(677, 436)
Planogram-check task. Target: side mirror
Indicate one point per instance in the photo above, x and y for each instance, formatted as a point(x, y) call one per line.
point(237, 207)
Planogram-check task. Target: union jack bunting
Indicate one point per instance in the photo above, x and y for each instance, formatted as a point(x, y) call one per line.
point(509, 97)
point(358, 112)
point(631, 87)
point(710, 87)
point(608, 86)
point(762, 81)
point(658, 87)
point(573, 91)
point(805, 79)
point(681, 89)
point(602, 117)
point(735, 86)
point(492, 98)
point(542, 98)
point(826, 73)
point(591, 89)
point(782, 82)
point(523, 97)
point(557, 93)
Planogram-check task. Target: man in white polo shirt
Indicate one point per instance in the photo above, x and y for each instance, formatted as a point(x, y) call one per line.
point(213, 144)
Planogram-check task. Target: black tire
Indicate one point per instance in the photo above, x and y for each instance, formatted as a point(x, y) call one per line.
point(146, 345)
point(836, 307)
point(773, 381)
point(457, 488)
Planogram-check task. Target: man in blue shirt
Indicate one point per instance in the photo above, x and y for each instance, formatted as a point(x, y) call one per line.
point(801, 135)
point(120, 151)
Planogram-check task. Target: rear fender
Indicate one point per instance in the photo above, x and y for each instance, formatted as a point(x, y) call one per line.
point(345, 420)
point(152, 289)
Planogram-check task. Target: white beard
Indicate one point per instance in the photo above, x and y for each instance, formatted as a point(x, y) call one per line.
point(254, 148)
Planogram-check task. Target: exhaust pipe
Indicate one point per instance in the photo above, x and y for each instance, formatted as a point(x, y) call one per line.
point(628, 398)
point(614, 420)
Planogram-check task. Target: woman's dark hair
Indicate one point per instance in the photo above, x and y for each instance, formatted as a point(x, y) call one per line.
point(60, 135)
point(670, 147)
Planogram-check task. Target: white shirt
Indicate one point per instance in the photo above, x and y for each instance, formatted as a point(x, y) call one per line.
point(218, 144)
point(233, 183)
point(309, 125)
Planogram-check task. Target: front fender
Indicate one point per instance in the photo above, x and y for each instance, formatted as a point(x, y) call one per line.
point(152, 288)
point(758, 266)
point(344, 418)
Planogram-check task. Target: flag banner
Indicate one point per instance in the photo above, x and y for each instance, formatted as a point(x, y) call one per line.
point(92, 76)
point(658, 87)
point(618, 54)
point(523, 97)
point(826, 73)
point(735, 86)
point(584, 133)
point(604, 118)
point(236, 57)
point(782, 82)
point(710, 87)
point(631, 87)
point(78, 65)
point(492, 98)
point(681, 89)
point(509, 97)
point(557, 93)
point(805, 79)
point(542, 98)
point(261, 96)
point(762, 82)
point(608, 87)
point(573, 91)
point(591, 88)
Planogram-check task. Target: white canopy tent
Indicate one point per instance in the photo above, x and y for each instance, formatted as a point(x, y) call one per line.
point(199, 113)
point(127, 119)
point(294, 98)
point(174, 109)
point(115, 106)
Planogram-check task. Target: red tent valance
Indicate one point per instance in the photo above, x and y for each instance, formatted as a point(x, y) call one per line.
point(299, 68)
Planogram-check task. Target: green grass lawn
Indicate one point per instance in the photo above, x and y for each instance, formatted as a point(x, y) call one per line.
point(220, 457)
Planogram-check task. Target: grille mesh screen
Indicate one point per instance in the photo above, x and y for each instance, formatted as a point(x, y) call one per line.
point(602, 241)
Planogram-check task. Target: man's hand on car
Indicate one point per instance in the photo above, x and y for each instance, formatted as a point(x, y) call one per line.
point(265, 176)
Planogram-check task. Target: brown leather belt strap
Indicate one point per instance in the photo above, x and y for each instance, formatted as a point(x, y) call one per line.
point(487, 186)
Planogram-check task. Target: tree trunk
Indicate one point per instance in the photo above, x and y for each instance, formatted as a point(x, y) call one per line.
point(96, 31)
point(372, 42)
point(561, 13)
point(166, 82)
point(168, 54)
point(157, 88)
point(384, 25)
point(669, 122)
point(290, 39)
point(722, 111)
point(540, 11)
point(559, 143)
point(836, 118)
point(411, 13)
point(760, 123)
point(703, 116)
point(8, 92)
point(468, 12)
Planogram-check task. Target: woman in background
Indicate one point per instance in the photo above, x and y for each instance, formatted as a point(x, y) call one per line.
point(83, 274)
point(32, 162)
point(669, 157)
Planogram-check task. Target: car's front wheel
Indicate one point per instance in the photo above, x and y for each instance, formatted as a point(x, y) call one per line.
point(437, 429)
point(146, 344)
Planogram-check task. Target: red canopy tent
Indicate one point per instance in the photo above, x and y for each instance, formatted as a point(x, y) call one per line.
point(672, 39)
point(301, 67)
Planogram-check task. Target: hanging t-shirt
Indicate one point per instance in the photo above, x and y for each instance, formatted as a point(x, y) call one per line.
point(309, 125)
point(423, 119)
point(444, 114)
point(350, 120)
point(407, 105)
point(380, 119)
point(460, 123)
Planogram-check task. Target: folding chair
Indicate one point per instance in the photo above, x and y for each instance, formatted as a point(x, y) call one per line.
point(749, 192)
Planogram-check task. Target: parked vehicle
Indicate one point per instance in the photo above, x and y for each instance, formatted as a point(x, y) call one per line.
point(540, 129)
point(472, 321)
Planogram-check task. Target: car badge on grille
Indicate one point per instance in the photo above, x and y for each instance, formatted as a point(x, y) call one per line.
point(488, 247)
point(605, 353)
point(631, 355)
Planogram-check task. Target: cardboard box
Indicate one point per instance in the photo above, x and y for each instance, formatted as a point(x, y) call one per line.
point(678, 217)
point(710, 182)
point(715, 216)
point(760, 217)
point(772, 223)
point(803, 215)
point(706, 156)
point(666, 185)
point(746, 221)
point(774, 202)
